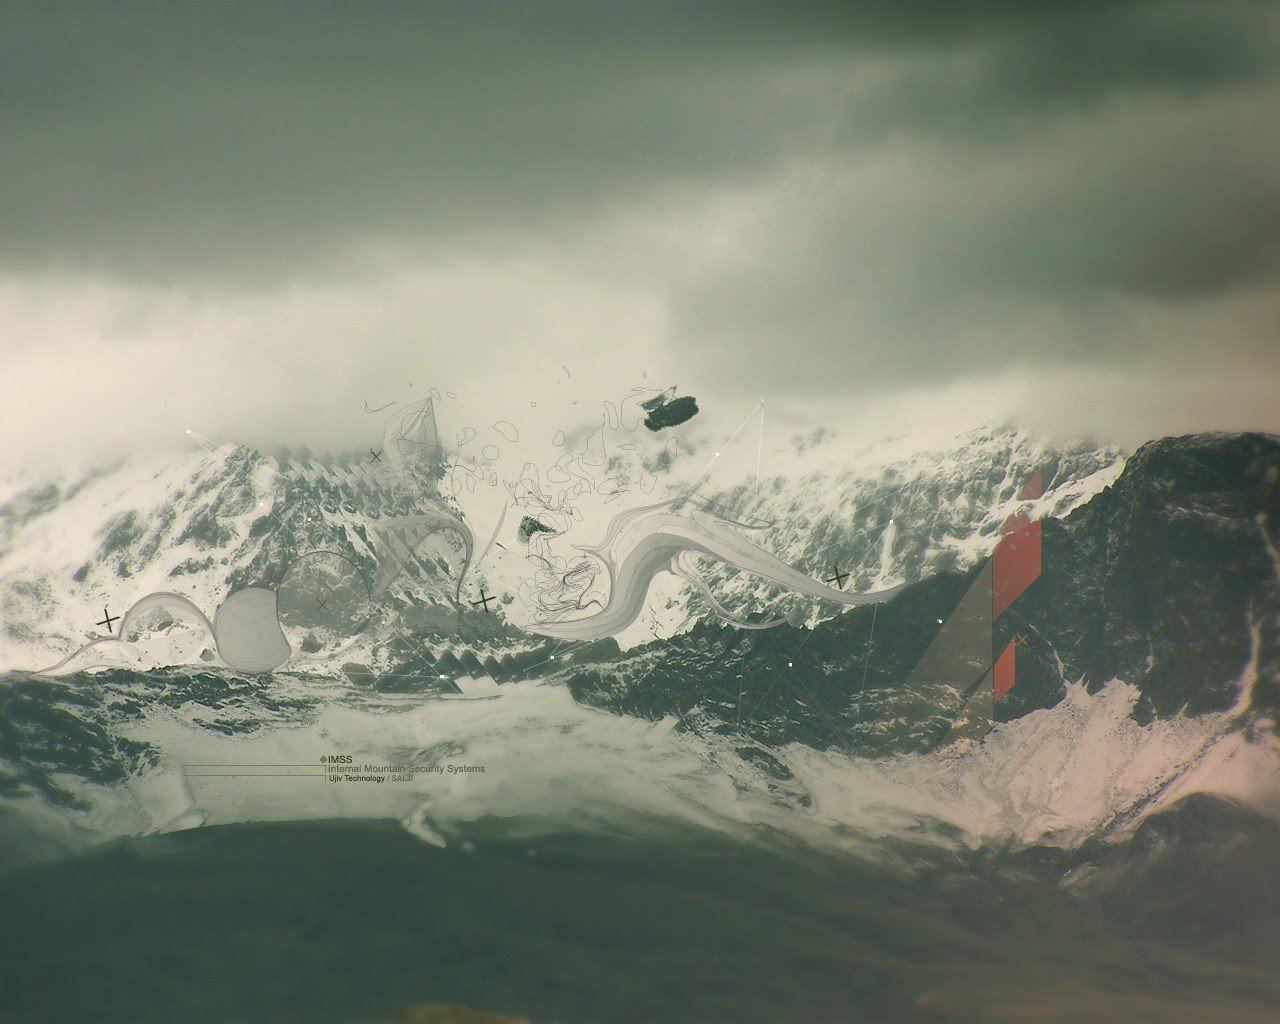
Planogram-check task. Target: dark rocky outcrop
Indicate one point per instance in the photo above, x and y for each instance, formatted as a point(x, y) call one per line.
point(1166, 580)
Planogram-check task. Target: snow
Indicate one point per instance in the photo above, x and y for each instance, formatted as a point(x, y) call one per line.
point(1060, 775)
point(1057, 776)
point(823, 482)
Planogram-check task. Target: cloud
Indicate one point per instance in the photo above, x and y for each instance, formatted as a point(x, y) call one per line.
point(253, 143)
point(928, 261)
point(110, 368)
point(246, 218)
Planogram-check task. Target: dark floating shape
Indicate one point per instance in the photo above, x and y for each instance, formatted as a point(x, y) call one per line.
point(528, 527)
point(672, 413)
point(658, 400)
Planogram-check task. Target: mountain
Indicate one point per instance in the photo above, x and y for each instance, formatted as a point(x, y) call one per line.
point(1165, 581)
point(210, 523)
point(1168, 579)
point(796, 795)
point(1149, 670)
point(735, 932)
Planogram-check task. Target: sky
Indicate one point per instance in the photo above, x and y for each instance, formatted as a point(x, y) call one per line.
point(251, 219)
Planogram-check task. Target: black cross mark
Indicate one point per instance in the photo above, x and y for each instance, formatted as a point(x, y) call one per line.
point(377, 456)
point(484, 599)
point(107, 619)
point(839, 577)
point(323, 603)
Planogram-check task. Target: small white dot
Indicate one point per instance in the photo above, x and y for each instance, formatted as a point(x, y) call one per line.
point(788, 664)
point(939, 622)
point(444, 677)
point(553, 657)
point(717, 455)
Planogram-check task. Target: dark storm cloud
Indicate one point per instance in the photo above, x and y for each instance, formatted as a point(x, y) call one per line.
point(943, 262)
point(255, 140)
point(915, 193)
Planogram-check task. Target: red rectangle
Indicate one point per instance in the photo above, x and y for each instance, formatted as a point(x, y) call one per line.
point(1016, 564)
point(1005, 672)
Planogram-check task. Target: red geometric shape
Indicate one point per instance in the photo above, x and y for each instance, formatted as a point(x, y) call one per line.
point(1014, 523)
point(1005, 672)
point(1016, 562)
point(1034, 488)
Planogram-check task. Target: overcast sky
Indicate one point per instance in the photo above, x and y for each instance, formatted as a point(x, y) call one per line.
point(250, 219)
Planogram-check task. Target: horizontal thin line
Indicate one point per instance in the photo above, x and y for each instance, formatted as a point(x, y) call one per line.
point(320, 767)
point(256, 775)
point(252, 764)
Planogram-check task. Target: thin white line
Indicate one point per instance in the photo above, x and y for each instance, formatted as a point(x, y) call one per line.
point(870, 529)
point(871, 636)
point(759, 449)
point(214, 448)
point(694, 486)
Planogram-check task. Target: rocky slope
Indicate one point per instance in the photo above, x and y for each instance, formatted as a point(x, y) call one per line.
point(210, 523)
point(1166, 580)
point(1150, 668)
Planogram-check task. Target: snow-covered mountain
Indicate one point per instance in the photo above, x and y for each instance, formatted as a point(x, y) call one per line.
point(210, 523)
point(1150, 670)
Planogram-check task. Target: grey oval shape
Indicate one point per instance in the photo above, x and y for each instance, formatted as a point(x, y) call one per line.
point(247, 631)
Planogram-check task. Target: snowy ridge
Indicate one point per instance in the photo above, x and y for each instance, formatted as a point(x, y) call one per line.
point(891, 513)
point(205, 524)
point(1083, 767)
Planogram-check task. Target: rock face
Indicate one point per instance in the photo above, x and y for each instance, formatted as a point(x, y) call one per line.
point(1159, 598)
point(1169, 578)
point(1166, 580)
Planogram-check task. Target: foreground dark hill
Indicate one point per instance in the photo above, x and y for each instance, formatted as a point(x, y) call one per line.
point(334, 923)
